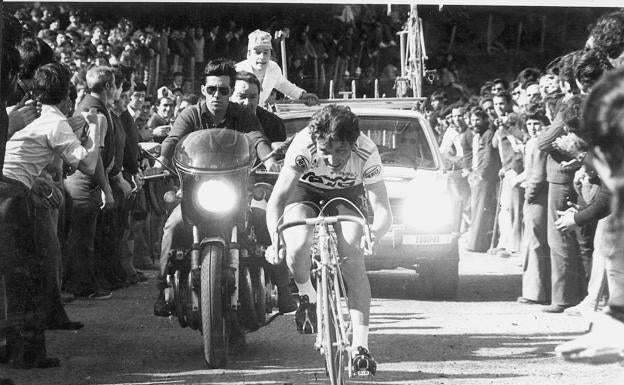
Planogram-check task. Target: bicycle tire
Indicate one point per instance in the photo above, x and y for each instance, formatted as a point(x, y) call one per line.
point(333, 335)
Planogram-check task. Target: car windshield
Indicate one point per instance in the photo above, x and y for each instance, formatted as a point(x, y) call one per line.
point(401, 140)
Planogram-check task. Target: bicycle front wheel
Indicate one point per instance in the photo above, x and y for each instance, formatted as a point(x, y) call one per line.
point(334, 330)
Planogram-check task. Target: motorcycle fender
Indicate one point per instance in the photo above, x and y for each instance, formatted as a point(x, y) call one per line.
point(195, 280)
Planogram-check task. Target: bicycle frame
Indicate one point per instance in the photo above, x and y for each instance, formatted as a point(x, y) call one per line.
point(334, 324)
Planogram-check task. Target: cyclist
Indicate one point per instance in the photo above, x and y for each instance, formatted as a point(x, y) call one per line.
point(330, 158)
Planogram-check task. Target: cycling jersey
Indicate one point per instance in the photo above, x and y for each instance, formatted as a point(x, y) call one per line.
point(364, 165)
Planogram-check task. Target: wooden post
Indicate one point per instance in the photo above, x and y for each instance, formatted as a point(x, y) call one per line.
point(543, 39)
point(519, 37)
point(331, 89)
point(376, 89)
point(452, 40)
point(353, 86)
point(489, 33)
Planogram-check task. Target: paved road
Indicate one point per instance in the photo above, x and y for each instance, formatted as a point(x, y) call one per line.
point(483, 338)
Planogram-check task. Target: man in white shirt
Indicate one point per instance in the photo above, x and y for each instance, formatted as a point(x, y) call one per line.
point(268, 72)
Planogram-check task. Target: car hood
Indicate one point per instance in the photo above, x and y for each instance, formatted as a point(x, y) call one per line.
point(402, 181)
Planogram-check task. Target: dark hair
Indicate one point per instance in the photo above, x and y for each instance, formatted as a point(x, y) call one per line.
point(535, 111)
point(486, 89)
point(478, 111)
point(565, 68)
point(221, 67)
point(250, 78)
point(51, 83)
point(177, 73)
point(334, 122)
point(34, 53)
point(504, 82)
point(590, 66)
point(608, 34)
point(529, 75)
point(140, 87)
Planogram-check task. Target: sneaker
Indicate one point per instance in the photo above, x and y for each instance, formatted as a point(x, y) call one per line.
point(161, 308)
point(285, 301)
point(305, 317)
point(363, 363)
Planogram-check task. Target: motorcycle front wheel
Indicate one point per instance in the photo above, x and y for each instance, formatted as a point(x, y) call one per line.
point(212, 310)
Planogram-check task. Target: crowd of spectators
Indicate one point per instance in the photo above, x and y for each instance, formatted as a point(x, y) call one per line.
point(518, 157)
point(99, 225)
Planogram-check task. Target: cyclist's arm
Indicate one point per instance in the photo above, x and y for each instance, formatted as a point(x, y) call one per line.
point(378, 197)
point(285, 185)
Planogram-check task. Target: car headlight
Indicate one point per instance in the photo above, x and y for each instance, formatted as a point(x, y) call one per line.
point(216, 196)
point(429, 212)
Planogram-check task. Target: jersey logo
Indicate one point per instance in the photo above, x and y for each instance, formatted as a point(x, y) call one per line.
point(339, 181)
point(301, 162)
point(372, 172)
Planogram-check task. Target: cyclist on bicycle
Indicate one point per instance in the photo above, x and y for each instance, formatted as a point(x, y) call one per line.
point(330, 158)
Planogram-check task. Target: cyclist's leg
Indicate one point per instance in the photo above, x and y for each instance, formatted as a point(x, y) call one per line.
point(298, 243)
point(354, 272)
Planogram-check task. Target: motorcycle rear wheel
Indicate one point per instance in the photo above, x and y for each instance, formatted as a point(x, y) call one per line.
point(214, 331)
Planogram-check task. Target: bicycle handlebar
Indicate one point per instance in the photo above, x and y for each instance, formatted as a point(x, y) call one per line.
point(331, 220)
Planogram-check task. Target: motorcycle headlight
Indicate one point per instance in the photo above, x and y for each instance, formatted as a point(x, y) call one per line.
point(216, 196)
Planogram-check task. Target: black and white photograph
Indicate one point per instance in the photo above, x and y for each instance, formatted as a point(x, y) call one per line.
point(288, 193)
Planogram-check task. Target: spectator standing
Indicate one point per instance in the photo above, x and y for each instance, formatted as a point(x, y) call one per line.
point(483, 180)
point(85, 193)
point(535, 250)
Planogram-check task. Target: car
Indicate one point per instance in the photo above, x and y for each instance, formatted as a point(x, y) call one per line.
point(427, 216)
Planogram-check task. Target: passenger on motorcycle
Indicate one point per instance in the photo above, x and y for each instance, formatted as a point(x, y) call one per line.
point(268, 72)
point(246, 93)
point(330, 158)
point(215, 112)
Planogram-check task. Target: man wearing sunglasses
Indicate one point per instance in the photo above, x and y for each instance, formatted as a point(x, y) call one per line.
point(215, 112)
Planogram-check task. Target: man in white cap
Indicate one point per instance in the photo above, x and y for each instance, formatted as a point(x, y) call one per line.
point(268, 72)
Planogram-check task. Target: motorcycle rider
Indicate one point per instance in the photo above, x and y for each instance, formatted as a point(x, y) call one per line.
point(215, 112)
point(330, 158)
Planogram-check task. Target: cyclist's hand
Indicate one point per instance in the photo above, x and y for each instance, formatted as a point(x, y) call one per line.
point(273, 256)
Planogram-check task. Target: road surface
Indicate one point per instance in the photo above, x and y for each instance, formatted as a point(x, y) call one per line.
point(485, 337)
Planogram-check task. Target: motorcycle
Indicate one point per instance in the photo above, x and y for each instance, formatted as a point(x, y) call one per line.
point(218, 275)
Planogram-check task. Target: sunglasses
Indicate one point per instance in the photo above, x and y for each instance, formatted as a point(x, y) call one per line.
point(223, 91)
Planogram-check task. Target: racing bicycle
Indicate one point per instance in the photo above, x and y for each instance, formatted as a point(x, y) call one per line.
point(333, 338)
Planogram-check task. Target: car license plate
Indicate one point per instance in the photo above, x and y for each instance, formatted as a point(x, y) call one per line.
point(426, 239)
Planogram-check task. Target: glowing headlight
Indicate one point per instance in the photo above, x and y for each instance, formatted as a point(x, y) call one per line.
point(428, 212)
point(216, 196)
